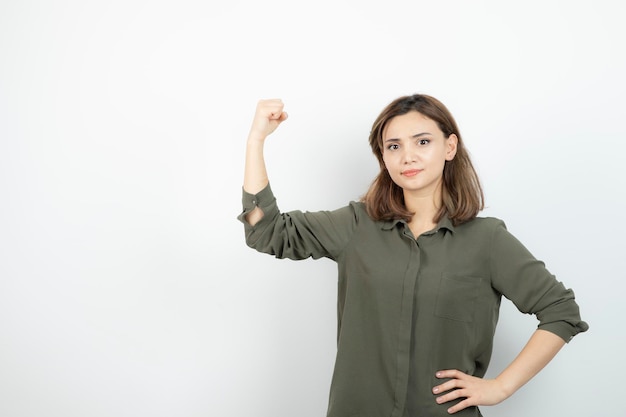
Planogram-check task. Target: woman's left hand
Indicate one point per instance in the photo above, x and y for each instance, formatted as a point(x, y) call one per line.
point(475, 391)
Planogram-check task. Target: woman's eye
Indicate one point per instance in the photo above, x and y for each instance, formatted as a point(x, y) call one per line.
point(393, 147)
point(424, 141)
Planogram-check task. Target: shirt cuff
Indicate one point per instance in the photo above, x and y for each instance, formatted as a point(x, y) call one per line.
point(251, 201)
point(565, 330)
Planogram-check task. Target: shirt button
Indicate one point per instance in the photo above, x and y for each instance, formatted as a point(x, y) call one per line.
point(254, 202)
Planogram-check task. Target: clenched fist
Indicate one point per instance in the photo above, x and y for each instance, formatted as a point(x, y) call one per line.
point(269, 114)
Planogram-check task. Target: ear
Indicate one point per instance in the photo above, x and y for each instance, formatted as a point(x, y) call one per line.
point(451, 144)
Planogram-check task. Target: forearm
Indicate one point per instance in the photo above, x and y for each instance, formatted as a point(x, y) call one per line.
point(255, 174)
point(538, 352)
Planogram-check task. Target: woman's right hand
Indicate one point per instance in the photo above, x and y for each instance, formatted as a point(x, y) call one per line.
point(269, 114)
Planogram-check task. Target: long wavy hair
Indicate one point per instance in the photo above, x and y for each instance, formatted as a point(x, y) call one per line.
point(462, 194)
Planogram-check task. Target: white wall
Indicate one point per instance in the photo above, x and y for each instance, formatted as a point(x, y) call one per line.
point(126, 288)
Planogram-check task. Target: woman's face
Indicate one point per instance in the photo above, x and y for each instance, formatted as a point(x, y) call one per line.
point(415, 151)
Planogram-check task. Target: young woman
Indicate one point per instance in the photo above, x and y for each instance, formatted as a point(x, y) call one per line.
point(420, 275)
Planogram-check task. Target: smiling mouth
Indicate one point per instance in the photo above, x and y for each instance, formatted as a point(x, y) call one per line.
point(411, 172)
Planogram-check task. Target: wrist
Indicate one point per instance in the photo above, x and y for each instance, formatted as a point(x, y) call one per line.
point(506, 387)
point(255, 137)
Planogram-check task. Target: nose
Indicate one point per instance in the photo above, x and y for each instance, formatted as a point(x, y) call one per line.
point(409, 155)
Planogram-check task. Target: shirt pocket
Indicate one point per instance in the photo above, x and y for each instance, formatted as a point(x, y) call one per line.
point(457, 297)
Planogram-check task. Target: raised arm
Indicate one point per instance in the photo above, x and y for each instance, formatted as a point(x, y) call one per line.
point(269, 114)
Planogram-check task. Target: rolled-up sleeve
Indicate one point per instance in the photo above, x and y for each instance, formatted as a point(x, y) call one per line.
point(296, 234)
point(264, 199)
point(523, 279)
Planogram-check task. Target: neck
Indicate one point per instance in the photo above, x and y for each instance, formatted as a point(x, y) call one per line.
point(425, 207)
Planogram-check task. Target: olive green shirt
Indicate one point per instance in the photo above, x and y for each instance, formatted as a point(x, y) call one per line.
point(408, 307)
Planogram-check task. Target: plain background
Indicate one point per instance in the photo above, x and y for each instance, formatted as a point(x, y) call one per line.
point(126, 288)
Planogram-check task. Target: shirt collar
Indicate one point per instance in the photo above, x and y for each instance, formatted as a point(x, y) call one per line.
point(444, 223)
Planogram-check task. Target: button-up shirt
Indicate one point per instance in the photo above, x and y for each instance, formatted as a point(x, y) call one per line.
point(410, 306)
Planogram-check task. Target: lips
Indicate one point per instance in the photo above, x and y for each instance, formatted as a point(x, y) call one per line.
point(411, 172)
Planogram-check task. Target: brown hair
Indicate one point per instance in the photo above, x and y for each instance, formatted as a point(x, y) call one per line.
point(462, 194)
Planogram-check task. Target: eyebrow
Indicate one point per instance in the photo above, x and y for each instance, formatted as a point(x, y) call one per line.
point(412, 137)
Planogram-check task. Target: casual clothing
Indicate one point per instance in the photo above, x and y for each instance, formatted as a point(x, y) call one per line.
point(408, 307)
